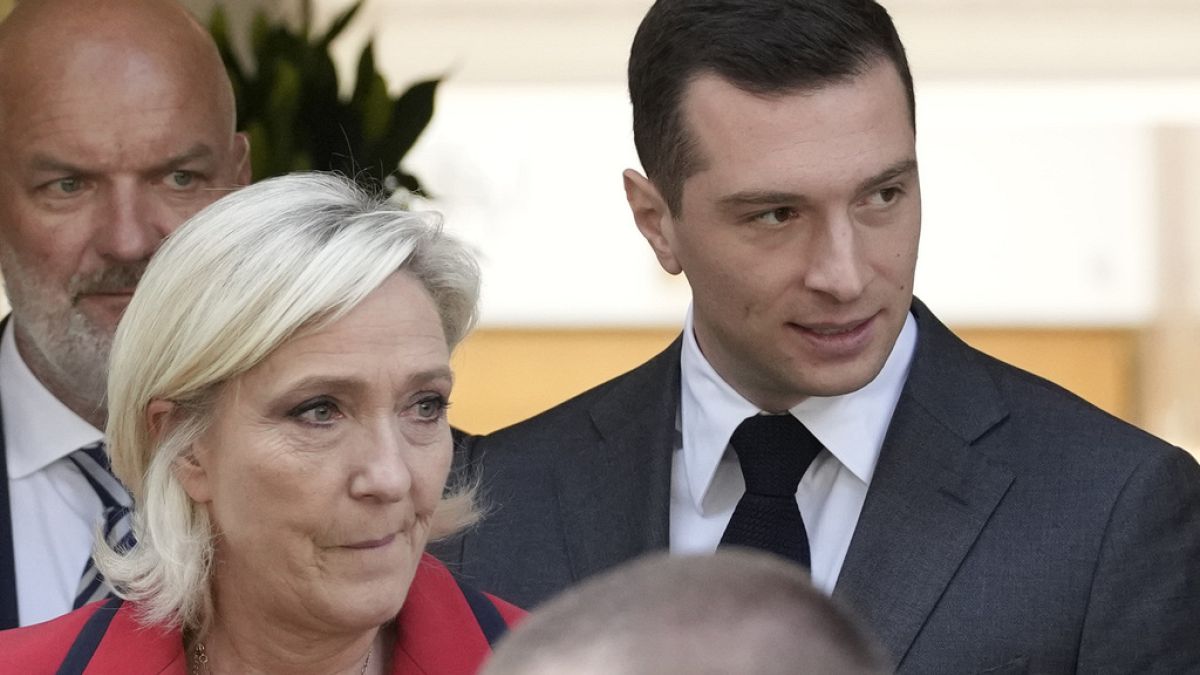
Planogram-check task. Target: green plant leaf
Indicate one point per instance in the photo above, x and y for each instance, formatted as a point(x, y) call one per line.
point(291, 106)
point(338, 25)
point(263, 153)
point(283, 106)
point(260, 31)
point(325, 115)
point(218, 25)
point(371, 102)
point(410, 115)
point(306, 12)
point(364, 74)
point(409, 182)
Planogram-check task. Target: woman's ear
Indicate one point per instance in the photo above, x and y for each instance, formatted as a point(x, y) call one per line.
point(161, 418)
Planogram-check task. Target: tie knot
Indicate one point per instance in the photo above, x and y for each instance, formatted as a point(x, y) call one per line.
point(774, 451)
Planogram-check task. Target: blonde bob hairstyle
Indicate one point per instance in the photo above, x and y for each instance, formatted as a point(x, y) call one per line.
point(235, 282)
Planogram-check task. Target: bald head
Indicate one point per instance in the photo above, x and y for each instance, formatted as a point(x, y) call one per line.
point(117, 123)
point(733, 612)
point(113, 40)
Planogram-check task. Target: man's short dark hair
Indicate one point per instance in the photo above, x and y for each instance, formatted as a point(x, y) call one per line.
point(765, 47)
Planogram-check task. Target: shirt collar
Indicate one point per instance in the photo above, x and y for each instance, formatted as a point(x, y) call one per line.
point(851, 426)
point(38, 429)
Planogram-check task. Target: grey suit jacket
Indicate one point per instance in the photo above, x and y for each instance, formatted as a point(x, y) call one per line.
point(1009, 526)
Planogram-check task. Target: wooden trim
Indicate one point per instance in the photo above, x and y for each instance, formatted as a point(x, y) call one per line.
point(506, 375)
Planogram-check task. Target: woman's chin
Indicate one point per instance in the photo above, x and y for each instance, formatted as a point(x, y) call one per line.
point(364, 608)
point(370, 602)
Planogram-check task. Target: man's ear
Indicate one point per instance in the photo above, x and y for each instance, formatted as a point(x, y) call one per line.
point(653, 218)
point(161, 418)
point(242, 152)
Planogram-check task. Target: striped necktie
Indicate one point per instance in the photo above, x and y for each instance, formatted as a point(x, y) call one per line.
point(92, 462)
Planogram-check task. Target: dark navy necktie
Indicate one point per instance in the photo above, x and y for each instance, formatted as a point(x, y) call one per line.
point(774, 451)
point(92, 462)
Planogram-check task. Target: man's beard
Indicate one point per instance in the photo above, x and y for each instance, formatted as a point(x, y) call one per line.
point(70, 344)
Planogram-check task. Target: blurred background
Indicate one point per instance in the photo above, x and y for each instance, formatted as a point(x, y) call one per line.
point(1059, 143)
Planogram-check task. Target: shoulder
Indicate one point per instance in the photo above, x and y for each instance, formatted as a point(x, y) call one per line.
point(1020, 417)
point(120, 640)
point(437, 629)
point(1058, 421)
point(42, 645)
point(511, 614)
point(434, 585)
point(655, 381)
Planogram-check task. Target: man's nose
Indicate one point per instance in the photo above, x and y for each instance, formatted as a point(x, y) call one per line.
point(836, 266)
point(134, 223)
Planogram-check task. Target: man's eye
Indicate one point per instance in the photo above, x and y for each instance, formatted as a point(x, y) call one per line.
point(181, 179)
point(69, 185)
point(777, 216)
point(885, 196)
point(431, 408)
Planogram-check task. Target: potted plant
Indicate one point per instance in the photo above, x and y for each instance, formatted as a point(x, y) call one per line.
point(290, 104)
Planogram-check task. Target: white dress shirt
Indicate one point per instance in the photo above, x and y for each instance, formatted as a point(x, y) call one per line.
point(706, 480)
point(54, 509)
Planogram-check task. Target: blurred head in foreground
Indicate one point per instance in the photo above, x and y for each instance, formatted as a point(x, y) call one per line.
point(734, 612)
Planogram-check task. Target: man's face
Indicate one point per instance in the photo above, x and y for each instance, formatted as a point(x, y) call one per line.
point(798, 235)
point(104, 154)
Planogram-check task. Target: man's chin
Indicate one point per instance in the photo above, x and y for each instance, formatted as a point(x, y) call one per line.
point(829, 380)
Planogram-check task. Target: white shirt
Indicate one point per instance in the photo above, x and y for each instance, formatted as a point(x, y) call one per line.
point(706, 480)
point(54, 509)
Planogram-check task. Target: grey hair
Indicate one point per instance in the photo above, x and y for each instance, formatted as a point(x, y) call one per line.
point(230, 286)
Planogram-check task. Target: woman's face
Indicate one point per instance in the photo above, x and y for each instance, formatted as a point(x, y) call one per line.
point(324, 464)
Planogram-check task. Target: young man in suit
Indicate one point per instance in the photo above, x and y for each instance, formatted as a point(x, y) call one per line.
point(116, 124)
point(977, 518)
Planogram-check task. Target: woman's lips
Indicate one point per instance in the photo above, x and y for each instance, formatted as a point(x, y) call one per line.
point(372, 543)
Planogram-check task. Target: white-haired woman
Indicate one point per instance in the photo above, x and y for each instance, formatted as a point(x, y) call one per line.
point(277, 401)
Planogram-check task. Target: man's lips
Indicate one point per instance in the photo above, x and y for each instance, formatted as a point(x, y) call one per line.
point(114, 293)
point(108, 301)
point(834, 329)
point(837, 339)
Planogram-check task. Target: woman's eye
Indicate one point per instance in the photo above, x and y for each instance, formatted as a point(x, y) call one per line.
point(321, 413)
point(777, 216)
point(431, 408)
point(316, 412)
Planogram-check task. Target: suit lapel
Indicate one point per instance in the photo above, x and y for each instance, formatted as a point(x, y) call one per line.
point(8, 566)
point(615, 497)
point(931, 494)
